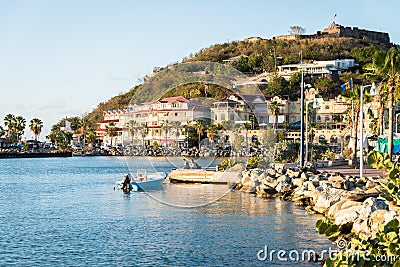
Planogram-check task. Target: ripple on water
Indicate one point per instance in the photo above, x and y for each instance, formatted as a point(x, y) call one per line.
point(60, 211)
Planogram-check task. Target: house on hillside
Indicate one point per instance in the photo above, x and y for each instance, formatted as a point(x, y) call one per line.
point(326, 69)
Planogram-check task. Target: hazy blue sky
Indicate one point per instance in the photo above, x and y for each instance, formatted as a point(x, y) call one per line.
point(61, 58)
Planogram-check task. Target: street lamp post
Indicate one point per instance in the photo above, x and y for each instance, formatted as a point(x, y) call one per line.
point(372, 92)
point(314, 106)
point(302, 121)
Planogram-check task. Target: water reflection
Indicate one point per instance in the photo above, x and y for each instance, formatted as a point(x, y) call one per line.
point(66, 212)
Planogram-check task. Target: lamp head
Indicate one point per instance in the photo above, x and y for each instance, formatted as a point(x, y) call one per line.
point(373, 90)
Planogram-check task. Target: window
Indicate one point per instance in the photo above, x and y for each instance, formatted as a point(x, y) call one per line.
point(222, 117)
point(327, 118)
point(176, 114)
point(215, 117)
point(326, 106)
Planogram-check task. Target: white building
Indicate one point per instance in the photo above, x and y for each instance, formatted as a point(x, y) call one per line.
point(320, 68)
point(162, 121)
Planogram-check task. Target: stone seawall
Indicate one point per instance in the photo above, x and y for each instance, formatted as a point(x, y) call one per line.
point(344, 199)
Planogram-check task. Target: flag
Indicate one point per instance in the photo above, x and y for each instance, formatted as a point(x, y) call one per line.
point(348, 85)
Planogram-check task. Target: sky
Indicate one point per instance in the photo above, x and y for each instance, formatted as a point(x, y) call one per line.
point(61, 58)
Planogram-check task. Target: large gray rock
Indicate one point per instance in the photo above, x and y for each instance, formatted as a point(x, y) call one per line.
point(282, 187)
point(326, 197)
point(269, 182)
point(308, 185)
point(237, 167)
point(335, 178)
point(304, 175)
point(264, 189)
point(348, 215)
point(372, 204)
point(284, 178)
point(341, 205)
point(292, 174)
point(246, 180)
point(271, 172)
point(361, 226)
point(298, 182)
point(370, 184)
point(377, 217)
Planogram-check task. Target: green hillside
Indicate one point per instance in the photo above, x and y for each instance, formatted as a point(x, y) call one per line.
point(262, 55)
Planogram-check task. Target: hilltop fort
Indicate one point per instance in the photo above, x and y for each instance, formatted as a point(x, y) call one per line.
point(336, 30)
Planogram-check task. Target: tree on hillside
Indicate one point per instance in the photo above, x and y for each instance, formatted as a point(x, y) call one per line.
point(242, 65)
point(277, 86)
point(327, 88)
point(386, 67)
point(298, 30)
point(364, 55)
point(36, 126)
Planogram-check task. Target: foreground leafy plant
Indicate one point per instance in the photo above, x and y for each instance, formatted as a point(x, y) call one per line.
point(381, 249)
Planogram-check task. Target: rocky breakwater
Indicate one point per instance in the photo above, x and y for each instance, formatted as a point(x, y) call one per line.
point(346, 200)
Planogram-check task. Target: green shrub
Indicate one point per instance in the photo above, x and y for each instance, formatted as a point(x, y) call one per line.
point(386, 242)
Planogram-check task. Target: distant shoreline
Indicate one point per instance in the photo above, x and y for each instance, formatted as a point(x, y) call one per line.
point(35, 155)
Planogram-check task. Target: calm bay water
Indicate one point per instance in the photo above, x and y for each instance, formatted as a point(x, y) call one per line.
point(65, 212)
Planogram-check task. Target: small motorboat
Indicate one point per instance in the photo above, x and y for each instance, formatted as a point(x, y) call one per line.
point(144, 181)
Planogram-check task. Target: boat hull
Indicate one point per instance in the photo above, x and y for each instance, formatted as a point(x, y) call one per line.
point(153, 182)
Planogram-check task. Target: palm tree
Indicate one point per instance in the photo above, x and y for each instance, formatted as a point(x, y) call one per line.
point(2, 131)
point(111, 130)
point(164, 126)
point(36, 126)
point(143, 132)
point(199, 126)
point(274, 110)
point(9, 122)
point(132, 129)
point(386, 67)
point(176, 125)
point(211, 132)
point(91, 135)
point(20, 124)
point(84, 124)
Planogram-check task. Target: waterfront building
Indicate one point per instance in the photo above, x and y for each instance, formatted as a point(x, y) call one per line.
point(111, 118)
point(162, 121)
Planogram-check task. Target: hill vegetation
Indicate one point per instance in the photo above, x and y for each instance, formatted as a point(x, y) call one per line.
point(258, 57)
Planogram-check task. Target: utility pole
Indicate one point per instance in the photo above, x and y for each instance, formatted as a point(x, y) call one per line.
point(302, 121)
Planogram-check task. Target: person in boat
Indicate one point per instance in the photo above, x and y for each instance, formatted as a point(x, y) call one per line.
point(185, 164)
point(127, 182)
point(194, 165)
